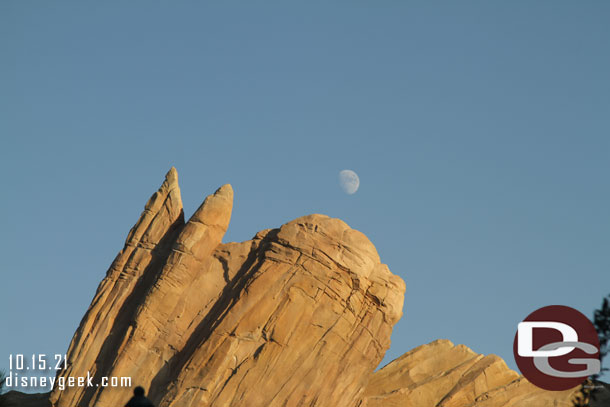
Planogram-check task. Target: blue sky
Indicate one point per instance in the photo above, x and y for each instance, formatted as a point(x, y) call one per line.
point(479, 130)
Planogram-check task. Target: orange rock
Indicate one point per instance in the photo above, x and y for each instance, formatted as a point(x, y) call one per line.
point(130, 276)
point(299, 315)
point(441, 374)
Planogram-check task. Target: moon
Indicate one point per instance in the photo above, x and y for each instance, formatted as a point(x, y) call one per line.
point(349, 181)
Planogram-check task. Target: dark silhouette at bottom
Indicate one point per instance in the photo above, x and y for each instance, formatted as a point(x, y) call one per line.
point(138, 399)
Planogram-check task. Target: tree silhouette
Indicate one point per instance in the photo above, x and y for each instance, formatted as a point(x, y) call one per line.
point(601, 321)
point(2, 380)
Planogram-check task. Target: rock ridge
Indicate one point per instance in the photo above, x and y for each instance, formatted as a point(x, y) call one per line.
point(297, 316)
point(441, 374)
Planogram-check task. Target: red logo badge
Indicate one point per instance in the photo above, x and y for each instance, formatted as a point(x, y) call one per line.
point(557, 348)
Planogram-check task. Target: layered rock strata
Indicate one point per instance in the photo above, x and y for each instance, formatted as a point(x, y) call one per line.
point(297, 316)
point(441, 374)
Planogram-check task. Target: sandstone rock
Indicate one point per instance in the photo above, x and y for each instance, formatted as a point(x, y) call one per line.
point(297, 316)
point(301, 324)
point(440, 374)
point(133, 272)
point(175, 304)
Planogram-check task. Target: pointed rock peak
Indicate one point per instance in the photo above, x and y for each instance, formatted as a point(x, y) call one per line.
point(171, 181)
point(225, 191)
point(168, 197)
point(205, 229)
point(168, 194)
point(172, 176)
point(216, 209)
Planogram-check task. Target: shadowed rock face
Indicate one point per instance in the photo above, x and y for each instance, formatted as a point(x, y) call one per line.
point(297, 316)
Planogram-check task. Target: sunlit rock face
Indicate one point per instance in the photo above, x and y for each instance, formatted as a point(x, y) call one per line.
point(298, 316)
point(441, 374)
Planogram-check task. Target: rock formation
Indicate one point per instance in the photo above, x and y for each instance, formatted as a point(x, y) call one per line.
point(297, 316)
point(109, 319)
point(440, 374)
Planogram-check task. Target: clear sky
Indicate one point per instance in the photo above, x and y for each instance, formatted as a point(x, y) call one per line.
point(479, 130)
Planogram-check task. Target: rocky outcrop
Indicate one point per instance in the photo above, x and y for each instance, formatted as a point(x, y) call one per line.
point(306, 318)
point(108, 321)
point(297, 316)
point(441, 374)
